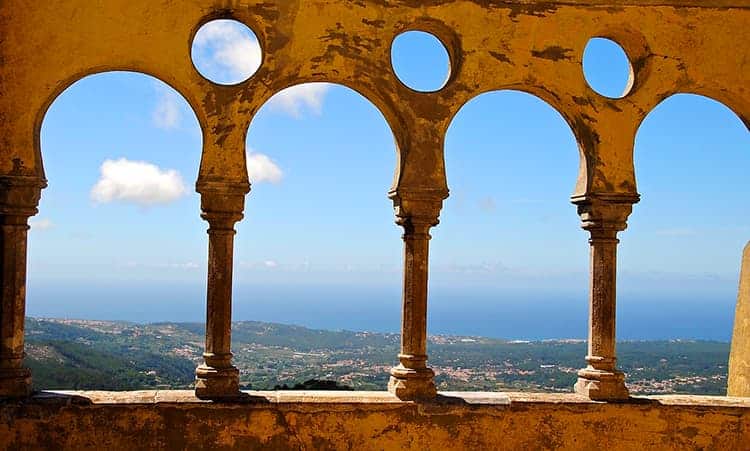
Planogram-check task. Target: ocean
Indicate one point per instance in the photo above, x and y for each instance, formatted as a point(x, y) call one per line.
point(467, 311)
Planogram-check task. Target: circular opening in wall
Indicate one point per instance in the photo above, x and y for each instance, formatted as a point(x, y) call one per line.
point(226, 52)
point(420, 61)
point(607, 68)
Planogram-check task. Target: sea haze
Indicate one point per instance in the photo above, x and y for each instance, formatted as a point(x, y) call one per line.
point(511, 315)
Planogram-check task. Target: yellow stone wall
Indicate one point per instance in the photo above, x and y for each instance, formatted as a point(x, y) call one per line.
point(529, 45)
point(372, 421)
point(739, 358)
point(689, 46)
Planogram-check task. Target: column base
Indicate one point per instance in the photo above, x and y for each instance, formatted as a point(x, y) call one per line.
point(15, 382)
point(601, 385)
point(412, 384)
point(217, 383)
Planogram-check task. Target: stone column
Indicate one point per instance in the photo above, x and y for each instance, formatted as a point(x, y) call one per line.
point(739, 358)
point(19, 197)
point(603, 218)
point(222, 206)
point(412, 379)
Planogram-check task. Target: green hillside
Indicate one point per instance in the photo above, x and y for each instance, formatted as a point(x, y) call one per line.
point(108, 355)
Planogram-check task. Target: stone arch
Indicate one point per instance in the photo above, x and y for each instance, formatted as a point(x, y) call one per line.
point(162, 149)
point(729, 100)
point(82, 75)
point(552, 101)
point(731, 103)
point(484, 207)
point(719, 315)
point(391, 116)
point(310, 173)
point(685, 233)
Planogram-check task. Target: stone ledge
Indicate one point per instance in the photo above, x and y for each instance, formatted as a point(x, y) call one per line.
point(166, 420)
point(141, 397)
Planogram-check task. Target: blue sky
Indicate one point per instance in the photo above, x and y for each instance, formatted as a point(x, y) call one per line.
point(119, 223)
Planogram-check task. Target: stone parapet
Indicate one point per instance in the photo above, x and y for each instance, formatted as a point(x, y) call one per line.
point(166, 420)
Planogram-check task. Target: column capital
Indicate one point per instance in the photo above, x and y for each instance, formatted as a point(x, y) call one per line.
point(605, 212)
point(222, 202)
point(417, 208)
point(19, 196)
point(206, 185)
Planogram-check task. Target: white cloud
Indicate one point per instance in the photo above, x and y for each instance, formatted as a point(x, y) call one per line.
point(300, 98)
point(40, 224)
point(226, 51)
point(270, 264)
point(167, 114)
point(260, 168)
point(138, 182)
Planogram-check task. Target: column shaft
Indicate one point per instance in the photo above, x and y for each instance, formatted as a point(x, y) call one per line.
point(414, 306)
point(15, 380)
point(219, 298)
point(603, 298)
point(19, 197)
point(603, 219)
point(412, 379)
point(217, 378)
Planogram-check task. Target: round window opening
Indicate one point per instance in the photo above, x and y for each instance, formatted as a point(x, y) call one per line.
point(226, 52)
point(420, 61)
point(607, 68)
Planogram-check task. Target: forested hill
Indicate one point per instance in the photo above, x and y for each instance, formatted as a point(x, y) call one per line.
point(110, 355)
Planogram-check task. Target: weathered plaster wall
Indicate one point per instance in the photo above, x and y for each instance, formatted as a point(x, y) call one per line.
point(528, 45)
point(536, 46)
point(365, 421)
